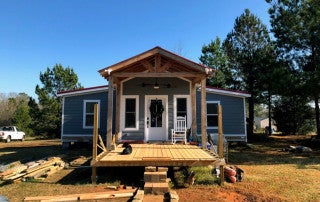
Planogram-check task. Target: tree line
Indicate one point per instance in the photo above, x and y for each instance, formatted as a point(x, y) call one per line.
point(42, 117)
point(278, 67)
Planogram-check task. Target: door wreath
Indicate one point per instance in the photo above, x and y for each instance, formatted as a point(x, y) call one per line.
point(156, 108)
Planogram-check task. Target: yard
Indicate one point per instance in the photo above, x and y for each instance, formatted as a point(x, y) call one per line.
point(271, 174)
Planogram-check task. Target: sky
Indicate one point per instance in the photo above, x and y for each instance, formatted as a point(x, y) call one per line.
point(88, 35)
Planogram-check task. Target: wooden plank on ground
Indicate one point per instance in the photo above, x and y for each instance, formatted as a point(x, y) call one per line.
point(127, 193)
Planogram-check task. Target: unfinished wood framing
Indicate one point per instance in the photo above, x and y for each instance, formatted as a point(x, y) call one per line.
point(110, 113)
point(193, 92)
point(203, 114)
point(220, 144)
point(118, 100)
point(157, 74)
point(95, 132)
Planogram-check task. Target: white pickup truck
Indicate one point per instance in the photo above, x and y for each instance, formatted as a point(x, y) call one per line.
point(8, 133)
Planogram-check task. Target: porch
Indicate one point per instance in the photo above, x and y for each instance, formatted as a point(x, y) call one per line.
point(135, 92)
point(156, 154)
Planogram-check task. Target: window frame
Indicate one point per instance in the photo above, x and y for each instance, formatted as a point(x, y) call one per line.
point(212, 102)
point(123, 112)
point(84, 117)
point(175, 111)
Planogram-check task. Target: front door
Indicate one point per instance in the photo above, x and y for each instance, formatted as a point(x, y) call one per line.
point(156, 113)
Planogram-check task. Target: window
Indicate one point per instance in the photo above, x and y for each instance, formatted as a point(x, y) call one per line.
point(181, 106)
point(130, 113)
point(88, 112)
point(212, 114)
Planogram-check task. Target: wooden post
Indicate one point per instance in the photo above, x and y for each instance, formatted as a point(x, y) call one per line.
point(194, 111)
point(221, 143)
point(203, 114)
point(95, 142)
point(110, 114)
point(118, 111)
point(94, 175)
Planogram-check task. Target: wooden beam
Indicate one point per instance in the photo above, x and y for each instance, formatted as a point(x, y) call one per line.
point(147, 65)
point(166, 66)
point(193, 93)
point(110, 113)
point(94, 175)
point(157, 62)
point(182, 60)
point(159, 74)
point(221, 143)
point(119, 92)
point(95, 132)
point(95, 143)
point(101, 144)
point(203, 114)
point(127, 62)
point(220, 132)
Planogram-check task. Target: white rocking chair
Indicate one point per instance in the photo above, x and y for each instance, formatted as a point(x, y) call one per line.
point(179, 132)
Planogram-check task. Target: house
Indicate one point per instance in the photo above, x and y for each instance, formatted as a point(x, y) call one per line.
point(144, 96)
point(261, 123)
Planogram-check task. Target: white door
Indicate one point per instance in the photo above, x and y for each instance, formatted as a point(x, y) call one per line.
point(156, 121)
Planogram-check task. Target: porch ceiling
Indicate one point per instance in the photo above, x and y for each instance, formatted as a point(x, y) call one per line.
point(157, 62)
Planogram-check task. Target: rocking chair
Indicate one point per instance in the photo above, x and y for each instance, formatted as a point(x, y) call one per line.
point(179, 132)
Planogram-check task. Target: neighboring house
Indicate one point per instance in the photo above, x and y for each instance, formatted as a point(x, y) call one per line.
point(149, 91)
point(262, 123)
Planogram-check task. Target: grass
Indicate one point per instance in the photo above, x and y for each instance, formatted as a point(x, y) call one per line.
point(270, 173)
point(204, 175)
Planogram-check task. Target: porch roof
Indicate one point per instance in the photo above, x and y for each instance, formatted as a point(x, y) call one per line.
point(157, 62)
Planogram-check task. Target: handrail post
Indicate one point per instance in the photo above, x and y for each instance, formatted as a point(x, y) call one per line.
point(95, 133)
point(221, 145)
point(95, 143)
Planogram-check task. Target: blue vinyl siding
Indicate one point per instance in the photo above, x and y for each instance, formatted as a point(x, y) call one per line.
point(232, 107)
point(232, 113)
point(73, 113)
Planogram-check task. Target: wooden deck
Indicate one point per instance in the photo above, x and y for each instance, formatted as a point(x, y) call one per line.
point(156, 154)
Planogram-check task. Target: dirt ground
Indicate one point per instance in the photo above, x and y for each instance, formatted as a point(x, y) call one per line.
point(268, 173)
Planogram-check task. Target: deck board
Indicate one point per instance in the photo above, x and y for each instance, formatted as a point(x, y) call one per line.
point(160, 154)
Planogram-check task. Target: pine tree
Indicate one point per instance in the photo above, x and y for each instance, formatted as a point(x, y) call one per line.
point(295, 25)
point(247, 47)
point(54, 80)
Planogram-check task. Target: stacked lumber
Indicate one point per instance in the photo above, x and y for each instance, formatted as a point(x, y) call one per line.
point(32, 170)
point(100, 196)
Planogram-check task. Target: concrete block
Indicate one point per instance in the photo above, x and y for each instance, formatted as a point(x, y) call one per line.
point(148, 187)
point(160, 188)
point(162, 169)
point(147, 176)
point(162, 176)
point(155, 177)
point(150, 169)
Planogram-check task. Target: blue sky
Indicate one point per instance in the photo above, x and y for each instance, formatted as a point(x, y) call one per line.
point(89, 35)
